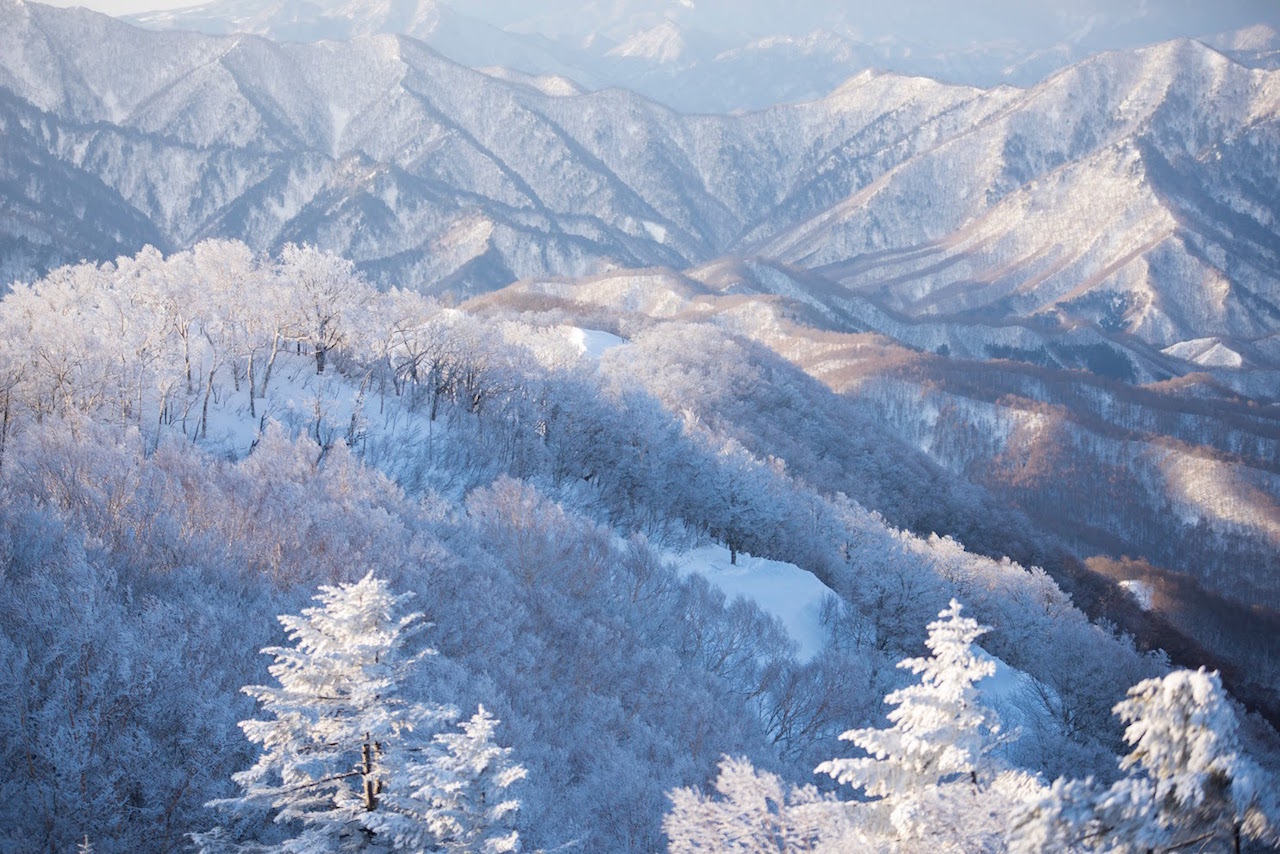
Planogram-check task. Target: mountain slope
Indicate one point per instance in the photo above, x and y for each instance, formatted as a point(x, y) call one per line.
point(1097, 197)
point(1175, 484)
point(1132, 194)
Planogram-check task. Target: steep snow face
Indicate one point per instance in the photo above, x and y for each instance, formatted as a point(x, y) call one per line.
point(1209, 352)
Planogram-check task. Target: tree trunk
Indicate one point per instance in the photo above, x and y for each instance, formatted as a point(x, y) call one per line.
point(252, 389)
point(370, 791)
point(186, 359)
point(271, 363)
point(204, 409)
point(4, 427)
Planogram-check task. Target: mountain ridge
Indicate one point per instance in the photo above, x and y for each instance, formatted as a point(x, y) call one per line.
point(1120, 193)
point(725, 57)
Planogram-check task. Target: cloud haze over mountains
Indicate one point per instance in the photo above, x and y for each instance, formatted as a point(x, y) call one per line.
point(719, 56)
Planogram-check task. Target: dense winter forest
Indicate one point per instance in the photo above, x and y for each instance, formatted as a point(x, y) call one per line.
point(487, 531)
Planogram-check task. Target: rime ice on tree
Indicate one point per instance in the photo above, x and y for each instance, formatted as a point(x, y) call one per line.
point(346, 761)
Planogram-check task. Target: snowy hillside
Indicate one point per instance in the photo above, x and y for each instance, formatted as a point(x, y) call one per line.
point(404, 450)
point(191, 444)
point(1178, 474)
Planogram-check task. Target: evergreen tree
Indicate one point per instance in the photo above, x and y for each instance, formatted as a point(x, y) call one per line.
point(1185, 742)
point(1189, 786)
point(455, 794)
point(931, 771)
point(337, 728)
point(941, 730)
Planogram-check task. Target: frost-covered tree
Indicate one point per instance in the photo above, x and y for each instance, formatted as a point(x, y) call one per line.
point(327, 295)
point(1185, 741)
point(1189, 786)
point(932, 770)
point(941, 729)
point(337, 728)
point(930, 779)
point(756, 812)
point(455, 796)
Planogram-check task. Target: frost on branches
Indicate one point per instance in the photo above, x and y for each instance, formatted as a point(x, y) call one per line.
point(941, 730)
point(1189, 786)
point(932, 772)
point(346, 760)
point(931, 778)
point(455, 802)
point(756, 812)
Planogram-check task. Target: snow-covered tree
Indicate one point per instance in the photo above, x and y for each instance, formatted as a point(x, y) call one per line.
point(931, 771)
point(1189, 785)
point(941, 730)
point(455, 795)
point(756, 812)
point(338, 728)
point(327, 294)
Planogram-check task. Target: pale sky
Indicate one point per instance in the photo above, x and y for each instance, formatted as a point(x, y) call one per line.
point(906, 18)
point(122, 7)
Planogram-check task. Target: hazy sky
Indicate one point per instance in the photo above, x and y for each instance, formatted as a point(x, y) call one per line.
point(949, 20)
point(122, 7)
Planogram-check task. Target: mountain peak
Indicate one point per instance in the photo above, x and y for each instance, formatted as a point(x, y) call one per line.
point(664, 44)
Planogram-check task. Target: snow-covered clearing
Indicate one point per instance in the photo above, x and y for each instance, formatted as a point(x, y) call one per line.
point(786, 591)
point(592, 343)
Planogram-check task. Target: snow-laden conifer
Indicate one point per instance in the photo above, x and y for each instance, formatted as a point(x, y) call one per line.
point(336, 728)
point(453, 796)
point(1189, 785)
point(940, 730)
point(932, 773)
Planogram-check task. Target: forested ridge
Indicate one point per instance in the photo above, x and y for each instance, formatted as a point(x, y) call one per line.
point(192, 445)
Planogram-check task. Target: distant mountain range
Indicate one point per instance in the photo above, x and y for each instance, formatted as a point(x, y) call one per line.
point(719, 56)
point(1129, 201)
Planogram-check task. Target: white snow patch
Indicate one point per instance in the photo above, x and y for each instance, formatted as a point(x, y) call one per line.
point(1209, 352)
point(1141, 593)
point(115, 111)
point(786, 591)
point(592, 343)
point(657, 232)
point(339, 119)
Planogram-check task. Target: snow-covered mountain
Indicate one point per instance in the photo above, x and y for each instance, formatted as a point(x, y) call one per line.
point(1125, 192)
point(1131, 196)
